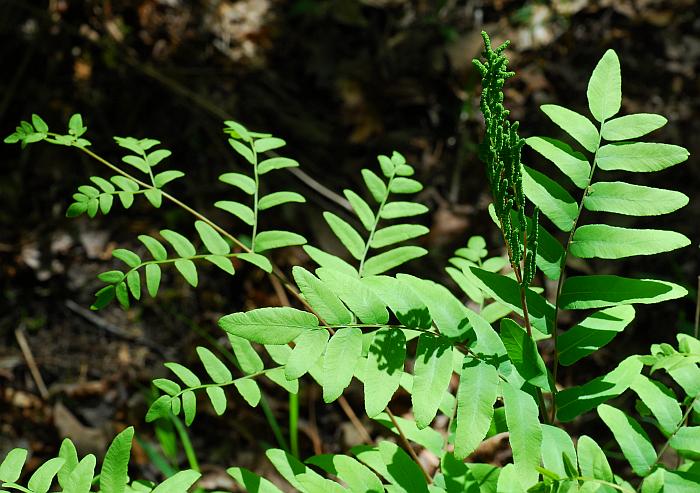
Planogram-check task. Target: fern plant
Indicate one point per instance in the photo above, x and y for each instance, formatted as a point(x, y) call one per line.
point(480, 363)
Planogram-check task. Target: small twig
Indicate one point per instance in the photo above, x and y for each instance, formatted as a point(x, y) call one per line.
point(31, 363)
point(407, 444)
point(279, 291)
point(697, 311)
point(112, 329)
point(354, 419)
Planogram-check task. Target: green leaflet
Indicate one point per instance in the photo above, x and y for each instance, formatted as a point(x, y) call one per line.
point(392, 259)
point(211, 238)
point(508, 480)
point(179, 483)
point(477, 393)
point(383, 368)
point(244, 182)
point(342, 354)
point(330, 261)
point(574, 401)
point(41, 480)
point(405, 185)
point(359, 298)
point(469, 288)
point(278, 325)
point(575, 124)
point(632, 200)
point(308, 348)
point(396, 234)
point(432, 373)
point(184, 374)
point(127, 256)
point(268, 144)
point(155, 247)
point(347, 235)
point(395, 465)
point(68, 453)
point(218, 371)
point(554, 202)
point(507, 291)
point(633, 440)
point(114, 473)
point(133, 280)
point(278, 376)
point(324, 301)
point(223, 263)
point(267, 240)
point(582, 292)
point(687, 441)
point(604, 91)
point(593, 333)
point(401, 299)
point(555, 443)
point(276, 163)
point(358, 477)
point(168, 386)
point(661, 402)
point(593, 463)
point(361, 208)
point(247, 357)
point(375, 185)
point(189, 406)
point(188, 270)
point(249, 390)
point(612, 242)
point(256, 259)
point(522, 416)
point(242, 212)
point(523, 353)
point(182, 245)
point(80, 479)
point(11, 466)
point(395, 210)
point(279, 198)
point(448, 313)
point(236, 130)
point(632, 126)
point(243, 150)
point(662, 480)
point(251, 482)
point(640, 156)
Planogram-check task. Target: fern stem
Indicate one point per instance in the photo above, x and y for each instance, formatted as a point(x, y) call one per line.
point(407, 445)
point(562, 272)
point(680, 425)
point(272, 420)
point(697, 311)
point(294, 424)
point(255, 197)
point(186, 443)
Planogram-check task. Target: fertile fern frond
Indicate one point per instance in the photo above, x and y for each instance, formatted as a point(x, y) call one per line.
point(500, 151)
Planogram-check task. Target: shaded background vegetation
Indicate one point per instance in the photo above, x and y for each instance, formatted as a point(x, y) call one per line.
point(340, 80)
